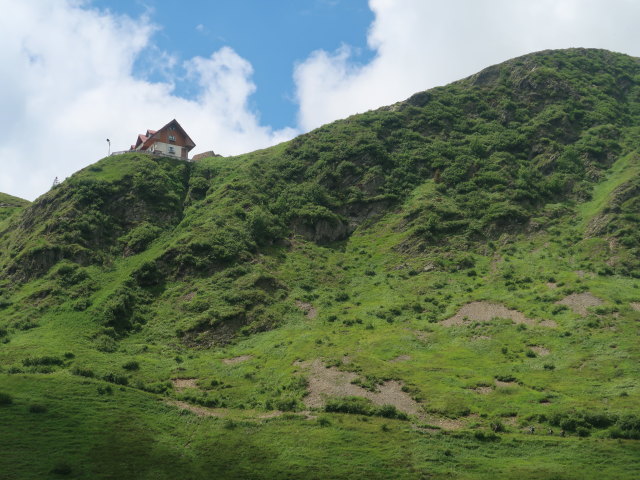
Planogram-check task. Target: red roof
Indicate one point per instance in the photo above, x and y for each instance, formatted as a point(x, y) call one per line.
point(147, 140)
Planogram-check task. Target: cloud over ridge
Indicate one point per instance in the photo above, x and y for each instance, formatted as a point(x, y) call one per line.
point(70, 78)
point(71, 85)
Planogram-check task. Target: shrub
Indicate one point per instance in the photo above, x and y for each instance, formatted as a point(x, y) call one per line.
point(486, 436)
point(583, 432)
point(36, 361)
point(229, 424)
point(5, 399)
point(390, 411)
point(132, 365)
point(62, 469)
point(105, 390)
point(37, 408)
point(497, 426)
point(116, 378)
point(106, 344)
point(324, 422)
point(357, 405)
point(287, 404)
point(82, 372)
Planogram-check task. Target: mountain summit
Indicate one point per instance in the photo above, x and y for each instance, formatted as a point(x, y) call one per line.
point(449, 283)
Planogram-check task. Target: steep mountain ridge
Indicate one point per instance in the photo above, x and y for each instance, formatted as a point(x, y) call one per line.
point(462, 264)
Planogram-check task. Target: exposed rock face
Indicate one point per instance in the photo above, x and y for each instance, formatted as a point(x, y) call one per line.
point(207, 154)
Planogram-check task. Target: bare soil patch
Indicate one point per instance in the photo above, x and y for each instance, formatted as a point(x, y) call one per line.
point(540, 351)
point(448, 423)
point(272, 414)
point(182, 383)
point(635, 306)
point(579, 302)
point(552, 285)
point(422, 336)
point(400, 358)
point(500, 383)
point(308, 309)
point(485, 312)
point(188, 296)
point(483, 390)
point(234, 360)
point(331, 382)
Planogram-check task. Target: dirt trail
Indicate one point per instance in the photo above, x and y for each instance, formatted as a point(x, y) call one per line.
point(200, 411)
point(234, 360)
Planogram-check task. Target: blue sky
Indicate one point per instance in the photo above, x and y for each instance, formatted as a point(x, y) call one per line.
point(272, 35)
point(240, 75)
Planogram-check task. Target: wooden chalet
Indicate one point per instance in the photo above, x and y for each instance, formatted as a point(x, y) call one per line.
point(171, 140)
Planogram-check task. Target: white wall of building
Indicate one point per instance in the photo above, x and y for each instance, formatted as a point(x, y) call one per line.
point(167, 149)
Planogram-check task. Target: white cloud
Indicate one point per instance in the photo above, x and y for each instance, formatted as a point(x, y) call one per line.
point(67, 82)
point(67, 85)
point(420, 44)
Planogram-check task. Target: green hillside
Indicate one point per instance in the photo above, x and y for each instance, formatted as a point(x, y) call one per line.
point(9, 205)
point(406, 293)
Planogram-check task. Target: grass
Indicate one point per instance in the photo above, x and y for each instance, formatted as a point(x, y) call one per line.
point(144, 271)
point(131, 434)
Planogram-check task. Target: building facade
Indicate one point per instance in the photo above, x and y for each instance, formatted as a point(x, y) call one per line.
point(171, 140)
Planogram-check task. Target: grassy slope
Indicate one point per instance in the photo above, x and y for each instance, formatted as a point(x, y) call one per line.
point(9, 205)
point(393, 308)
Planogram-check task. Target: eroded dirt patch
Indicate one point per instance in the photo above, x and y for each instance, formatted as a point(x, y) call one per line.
point(635, 306)
point(308, 309)
point(182, 383)
point(500, 383)
point(483, 390)
point(485, 312)
point(272, 414)
point(400, 358)
point(330, 382)
point(422, 336)
point(540, 350)
point(579, 302)
point(200, 411)
point(552, 285)
point(449, 423)
point(234, 360)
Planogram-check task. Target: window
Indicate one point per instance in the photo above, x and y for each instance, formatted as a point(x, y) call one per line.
point(172, 150)
point(172, 138)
